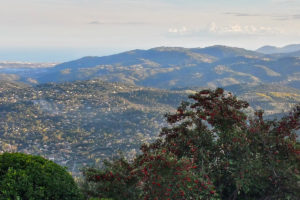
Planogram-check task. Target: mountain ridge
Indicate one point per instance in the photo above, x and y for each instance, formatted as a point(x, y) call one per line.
point(173, 67)
point(279, 50)
point(168, 67)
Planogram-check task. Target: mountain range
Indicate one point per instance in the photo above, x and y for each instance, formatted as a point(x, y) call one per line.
point(174, 67)
point(83, 111)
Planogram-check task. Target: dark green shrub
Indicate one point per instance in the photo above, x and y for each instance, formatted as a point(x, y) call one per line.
point(119, 181)
point(33, 177)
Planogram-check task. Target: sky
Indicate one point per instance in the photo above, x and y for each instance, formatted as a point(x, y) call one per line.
point(62, 30)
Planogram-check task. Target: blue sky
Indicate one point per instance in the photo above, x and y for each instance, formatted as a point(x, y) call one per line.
point(60, 30)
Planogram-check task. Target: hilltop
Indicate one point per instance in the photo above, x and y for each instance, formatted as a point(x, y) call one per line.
point(175, 67)
point(275, 50)
point(98, 106)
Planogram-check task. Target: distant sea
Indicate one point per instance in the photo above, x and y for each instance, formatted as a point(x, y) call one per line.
point(56, 55)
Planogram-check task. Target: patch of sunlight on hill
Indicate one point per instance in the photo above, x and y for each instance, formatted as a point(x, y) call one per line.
point(285, 95)
point(264, 95)
point(190, 91)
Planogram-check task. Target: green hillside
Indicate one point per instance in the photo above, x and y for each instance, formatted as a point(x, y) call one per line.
point(83, 122)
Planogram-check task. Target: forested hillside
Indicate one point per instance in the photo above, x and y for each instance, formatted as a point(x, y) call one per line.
point(83, 122)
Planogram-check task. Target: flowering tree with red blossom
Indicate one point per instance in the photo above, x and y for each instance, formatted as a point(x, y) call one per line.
point(211, 150)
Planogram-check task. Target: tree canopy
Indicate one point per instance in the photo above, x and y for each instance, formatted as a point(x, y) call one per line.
point(211, 150)
point(30, 177)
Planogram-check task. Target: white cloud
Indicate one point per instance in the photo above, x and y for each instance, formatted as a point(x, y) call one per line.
point(285, 1)
point(180, 30)
point(95, 22)
point(243, 29)
point(213, 27)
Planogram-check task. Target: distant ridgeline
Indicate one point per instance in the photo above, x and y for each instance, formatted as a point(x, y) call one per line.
point(172, 67)
point(76, 114)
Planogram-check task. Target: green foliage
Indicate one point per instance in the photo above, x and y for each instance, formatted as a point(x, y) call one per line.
point(30, 177)
point(119, 181)
point(81, 122)
point(84, 122)
point(211, 150)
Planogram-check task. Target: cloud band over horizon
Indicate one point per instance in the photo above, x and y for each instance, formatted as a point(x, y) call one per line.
point(132, 24)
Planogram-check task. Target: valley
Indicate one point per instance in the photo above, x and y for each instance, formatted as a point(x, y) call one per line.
point(81, 112)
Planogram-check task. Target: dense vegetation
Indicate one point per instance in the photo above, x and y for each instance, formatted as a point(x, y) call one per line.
point(84, 122)
point(27, 177)
point(212, 150)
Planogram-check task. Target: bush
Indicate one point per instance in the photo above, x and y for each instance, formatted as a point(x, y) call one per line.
point(212, 150)
point(30, 177)
point(116, 181)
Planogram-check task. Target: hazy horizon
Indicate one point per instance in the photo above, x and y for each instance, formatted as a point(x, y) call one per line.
point(62, 55)
point(61, 30)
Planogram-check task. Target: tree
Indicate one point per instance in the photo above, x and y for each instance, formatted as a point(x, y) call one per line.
point(30, 177)
point(212, 150)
